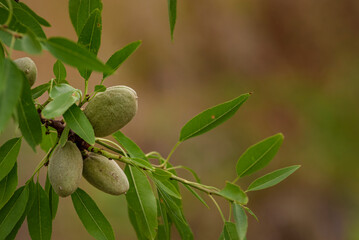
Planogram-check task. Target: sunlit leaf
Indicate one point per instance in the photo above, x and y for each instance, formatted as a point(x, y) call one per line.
point(59, 105)
point(259, 155)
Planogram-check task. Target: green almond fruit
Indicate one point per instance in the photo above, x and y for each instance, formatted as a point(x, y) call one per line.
point(111, 110)
point(105, 174)
point(65, 169)
point(28, 66)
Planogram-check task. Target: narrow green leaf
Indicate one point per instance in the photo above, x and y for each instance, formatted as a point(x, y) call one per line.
point(129, 145)
point(53, 197)
point(79, 123)
point(8, 156)
point(60, 105)
point(73, 10)
point(164, 228)
point(2, 53)
point(29, 21)
point(64, 136)
point(196, 195)
point(39, 218)
point(121, 55)
point(229, 232)
point(241, 220)
point(90, 38)
point(211, 118)
point(74, 55)
point(39, 90)
point(143, 163)
point(84, 11)
point(234, 193)
point(39, 19)
point(28, 117)
point(272, 178)
point(100, 88)
point(11, 80)
point(49, 138)
point(59, 71)
point(11, 213)
point(30, 44)
point(142, 201)
point(162, 173)
point(172, 14)
point(251, 213)
point(165, 185)
point(8, 186)
point(91, 217)
point(258, 155)
point(134, 222)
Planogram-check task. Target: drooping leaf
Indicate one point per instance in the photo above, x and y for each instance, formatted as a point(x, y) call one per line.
point(8, 185)
point(165, 185)
point(53, 197)
point(272, 178)
point(142, 163)
point(211, 118)
point(134, 222)
point(75, 55)
point(258, 155)
point(142, 201)
point(49, 138)
point(39, 19)
point(241, 220)
point(60, 105)
point(234, 193)
point(121, 55)
point(39, 218)
point(164, 228)
point(29, 21)
point(196, 195)
point(28, 117)
point(90, 38)
point(251, 213)
point(172, 14)
point(229, 232)
point(31, 44)
point(59, 72)
point(11, 213)
point(78, 122)
point(73, 10)
point(64, 136)
point(129, 145)
point(8, 156)
point(11, 80)
point(39, 90)
point(91, 217)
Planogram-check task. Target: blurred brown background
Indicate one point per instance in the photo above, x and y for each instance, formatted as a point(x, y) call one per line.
point(301, 59)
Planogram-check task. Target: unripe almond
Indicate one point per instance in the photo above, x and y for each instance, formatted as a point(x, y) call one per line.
point(65, 169)
point(105, 174)
point(111, 110)
point(28, 66)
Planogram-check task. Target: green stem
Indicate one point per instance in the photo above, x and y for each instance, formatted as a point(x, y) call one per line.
point(170, 154)
point(110, 147)
point(230, 212)
point(235, 180)
point(219, 209)
point(8, 21)
point(11, 46)
point(43, 161)
point(119, 148)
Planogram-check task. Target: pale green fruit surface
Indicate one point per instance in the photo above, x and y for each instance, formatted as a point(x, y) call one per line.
point(65, 169)
point(105, 174)
point(28, 66)
point(111, 110)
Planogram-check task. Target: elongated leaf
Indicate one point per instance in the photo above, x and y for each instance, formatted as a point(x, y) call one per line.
point(100, 88)
point(259, 155)
point(272, 178)
point(241, 220)
point(90, 38)
point(74, 55)
point(79, 123)
point(28, 117)
point(32, 195)
point(39, 19)
point(165, 185)
point(134, 222)
point(8, 186)
point(11, 80)
point(73, 10)
point(172, 14)
point(229, 232)
point(129, 145)
point(59, 71)
point(30, 43)
point(2, 53)
point(39, 218)
point(39, 90)
point(142, 201)
point(251, 213)
point(143, 163)
point(8, 156)
point(84, 10)
point(60, 105)
point(11, 213)
point(164, 228)
point(29, 21)
point(49, 138)
point(91, 217)
point(196, 195)
point(121, 55)
point(53, 197)
point(64, 136)
point(211, 118)
point(234, 193)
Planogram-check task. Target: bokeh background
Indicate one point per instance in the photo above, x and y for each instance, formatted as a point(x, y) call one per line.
point(301, 60)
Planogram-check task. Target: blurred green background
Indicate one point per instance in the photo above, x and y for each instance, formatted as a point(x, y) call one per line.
point(301, 60)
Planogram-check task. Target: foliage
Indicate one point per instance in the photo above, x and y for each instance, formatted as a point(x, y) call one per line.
point(154, 198)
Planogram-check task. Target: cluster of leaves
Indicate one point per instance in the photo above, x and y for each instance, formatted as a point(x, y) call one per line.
point(154, 200)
